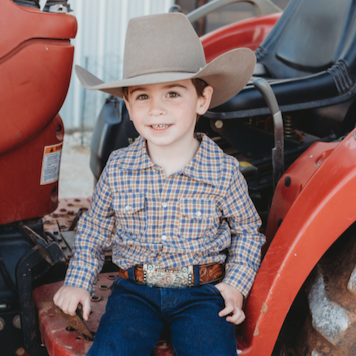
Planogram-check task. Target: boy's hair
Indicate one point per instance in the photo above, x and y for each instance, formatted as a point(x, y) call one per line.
point(199, 85)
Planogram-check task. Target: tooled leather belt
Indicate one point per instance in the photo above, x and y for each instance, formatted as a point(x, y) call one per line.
point(181, 277)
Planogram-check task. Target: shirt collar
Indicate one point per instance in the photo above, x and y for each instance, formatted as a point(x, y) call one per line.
point(136, 157)
point(205, 166)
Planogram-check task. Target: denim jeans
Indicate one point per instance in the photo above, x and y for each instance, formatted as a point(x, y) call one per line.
point(136, 315)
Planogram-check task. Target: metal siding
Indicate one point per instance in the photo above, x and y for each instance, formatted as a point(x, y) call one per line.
point(99, 44)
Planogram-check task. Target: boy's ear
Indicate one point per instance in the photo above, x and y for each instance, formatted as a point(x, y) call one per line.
point(204, 100)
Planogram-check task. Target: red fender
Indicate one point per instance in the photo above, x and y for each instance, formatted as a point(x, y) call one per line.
point(246, 33)
point(317, 207)
point(36, 59)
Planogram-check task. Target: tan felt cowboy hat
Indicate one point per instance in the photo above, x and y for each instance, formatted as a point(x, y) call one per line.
point(165, 48)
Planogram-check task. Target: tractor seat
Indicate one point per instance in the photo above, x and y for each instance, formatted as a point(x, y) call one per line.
point(62, 340)
point(309, 58)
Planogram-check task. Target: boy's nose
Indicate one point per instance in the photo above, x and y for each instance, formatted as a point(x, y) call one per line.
point(156, 107)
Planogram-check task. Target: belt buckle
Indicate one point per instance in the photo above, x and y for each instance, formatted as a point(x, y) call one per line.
point(157, 276)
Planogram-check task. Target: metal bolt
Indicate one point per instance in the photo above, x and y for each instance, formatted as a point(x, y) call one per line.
point(219, 124)
point(16, 321)
point(2, 324)
point(20, 351)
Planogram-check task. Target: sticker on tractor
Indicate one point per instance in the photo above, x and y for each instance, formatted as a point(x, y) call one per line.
point(51, 163)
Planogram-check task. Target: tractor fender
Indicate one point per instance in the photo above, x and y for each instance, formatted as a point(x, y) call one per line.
point(316, 200)
point(36, 59)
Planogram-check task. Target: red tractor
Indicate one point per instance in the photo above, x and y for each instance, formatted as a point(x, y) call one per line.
point(298, 157)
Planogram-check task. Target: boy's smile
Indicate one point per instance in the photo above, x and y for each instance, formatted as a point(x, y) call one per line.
point(165, 114)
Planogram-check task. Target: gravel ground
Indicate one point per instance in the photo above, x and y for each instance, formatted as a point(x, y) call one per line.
point(75, 178)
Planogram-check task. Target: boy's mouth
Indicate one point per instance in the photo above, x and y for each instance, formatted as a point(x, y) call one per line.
point(160, 127)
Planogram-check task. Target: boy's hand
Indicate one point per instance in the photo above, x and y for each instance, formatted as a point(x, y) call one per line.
point(233, 303)
point(67, 298)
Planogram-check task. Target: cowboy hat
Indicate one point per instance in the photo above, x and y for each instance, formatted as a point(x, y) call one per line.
point(165, 48)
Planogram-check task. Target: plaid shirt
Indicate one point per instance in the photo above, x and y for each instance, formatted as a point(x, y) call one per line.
point(191, 217)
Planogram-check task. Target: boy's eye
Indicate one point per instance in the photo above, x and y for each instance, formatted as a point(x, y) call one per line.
point(142, 97)
point(172, 94)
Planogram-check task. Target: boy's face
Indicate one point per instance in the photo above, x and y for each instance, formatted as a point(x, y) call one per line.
point(165, 114)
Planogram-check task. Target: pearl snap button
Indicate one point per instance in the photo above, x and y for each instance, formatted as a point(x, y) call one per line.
point(164, 205)
point(164, 237)
point(127, 207)
point(157, 168)
point(198, 213)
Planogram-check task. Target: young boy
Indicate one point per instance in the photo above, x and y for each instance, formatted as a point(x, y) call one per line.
point(186, 239)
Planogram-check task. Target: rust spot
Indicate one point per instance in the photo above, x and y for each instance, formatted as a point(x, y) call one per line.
point(256, 332)
point(264, 308)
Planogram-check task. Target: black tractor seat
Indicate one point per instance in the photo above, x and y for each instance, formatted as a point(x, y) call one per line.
point(309, 58)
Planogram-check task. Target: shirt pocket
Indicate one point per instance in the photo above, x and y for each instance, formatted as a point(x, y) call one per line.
point(131, 213)
point(196, 217)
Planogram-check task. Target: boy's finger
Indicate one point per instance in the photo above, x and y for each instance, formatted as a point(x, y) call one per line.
point(57, 297)
point(227, 310)
point(72, 307)
point(86, 309)
point(237, 318)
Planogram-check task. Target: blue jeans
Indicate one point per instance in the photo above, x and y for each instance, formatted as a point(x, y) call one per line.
point(136, 315)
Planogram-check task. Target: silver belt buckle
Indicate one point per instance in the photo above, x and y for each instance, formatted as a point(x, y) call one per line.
point(157, 276)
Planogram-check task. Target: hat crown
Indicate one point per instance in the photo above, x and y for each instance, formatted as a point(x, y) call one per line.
point(161, 43)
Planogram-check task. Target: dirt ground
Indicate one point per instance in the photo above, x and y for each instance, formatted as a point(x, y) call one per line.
point(75, 178)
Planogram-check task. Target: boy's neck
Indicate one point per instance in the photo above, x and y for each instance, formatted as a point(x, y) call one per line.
point(173, 159)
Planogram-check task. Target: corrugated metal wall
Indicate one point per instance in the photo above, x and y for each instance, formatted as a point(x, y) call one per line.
point(99, 48)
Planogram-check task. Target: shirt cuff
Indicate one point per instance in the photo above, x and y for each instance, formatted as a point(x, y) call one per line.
point(80, 277)
point(241, 278)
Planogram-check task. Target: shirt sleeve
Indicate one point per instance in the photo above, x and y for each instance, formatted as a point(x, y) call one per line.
point(93, 234)
point(245, 250)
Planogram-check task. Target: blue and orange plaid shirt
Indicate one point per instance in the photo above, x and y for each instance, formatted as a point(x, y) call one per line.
point(191, 217)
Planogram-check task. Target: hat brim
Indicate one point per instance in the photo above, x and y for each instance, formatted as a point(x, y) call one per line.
point(227, 74)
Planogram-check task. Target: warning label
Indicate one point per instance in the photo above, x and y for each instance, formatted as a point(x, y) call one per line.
point(51, 163)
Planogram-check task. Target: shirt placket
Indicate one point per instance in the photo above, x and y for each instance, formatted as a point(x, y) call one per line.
point(165, 210)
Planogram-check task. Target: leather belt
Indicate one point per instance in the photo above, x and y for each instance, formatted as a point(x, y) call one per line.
point(181, 277)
